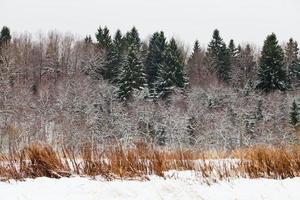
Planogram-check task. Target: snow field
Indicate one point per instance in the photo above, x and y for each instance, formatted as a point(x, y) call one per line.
point(178, 185)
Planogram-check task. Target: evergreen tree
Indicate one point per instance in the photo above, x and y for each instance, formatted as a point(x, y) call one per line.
point(155, 58)
point(219, 57)
point(232, 49)
point(294, 114)
point(132, 76)
point(292, 62)
point(5, 36)
point(271, 74)
point(103, 38)
point(114, 58)
point(196, 48)
point(194, 64)
point(88, 39)
point(118, 41)
point(196, 51)
point(132, 38)
point(239, 49)
point(113, 64)
point(233, 54)
point(109, 70)
point(144, 51)
point(171, 72)
point(178, 62)
point(165, 83)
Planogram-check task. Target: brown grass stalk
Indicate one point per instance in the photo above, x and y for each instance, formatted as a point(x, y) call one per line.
point(118, 162)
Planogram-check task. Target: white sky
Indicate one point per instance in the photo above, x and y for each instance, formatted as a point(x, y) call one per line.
point(242, 20)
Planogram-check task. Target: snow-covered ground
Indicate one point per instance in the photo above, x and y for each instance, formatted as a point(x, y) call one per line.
point(181, 186)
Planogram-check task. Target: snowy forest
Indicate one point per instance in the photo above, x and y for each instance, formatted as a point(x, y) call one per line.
point(116, 87)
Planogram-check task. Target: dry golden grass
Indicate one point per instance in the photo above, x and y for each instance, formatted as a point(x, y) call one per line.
point(137, 162)
point(271, 162)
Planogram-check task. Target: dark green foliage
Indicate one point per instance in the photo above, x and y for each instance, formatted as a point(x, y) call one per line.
point(233, 54)
point(219, 57)
point(196, 51)
point(196, 48)
point(171, 72)
point(296, 74)
point(113, 53)
point(113, 64)
point(271, 74)
point(114, 58)
point(132, 77)
point(88, 39)
point(294, 114)
point(155, 58)
point(192, 62)
point(132, 38)
point(165, 82)
point(232, 49)
point(5, 36)
point(103, 38)
point(178, 61)
point(292, 62)
point(239, 49)
point(118, 41)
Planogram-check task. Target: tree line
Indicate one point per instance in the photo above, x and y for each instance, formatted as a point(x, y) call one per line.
point(119, 86)
point(160, 65)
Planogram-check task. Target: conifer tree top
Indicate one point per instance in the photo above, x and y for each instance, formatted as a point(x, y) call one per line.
point(133, 37)
point(271, 74)
point(196, 48)
point(5, 34)
point(103, 37)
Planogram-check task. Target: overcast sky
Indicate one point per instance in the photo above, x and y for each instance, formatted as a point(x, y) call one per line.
point(242, 20)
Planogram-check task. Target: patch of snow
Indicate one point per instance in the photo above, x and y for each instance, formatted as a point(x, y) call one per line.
point(178, 185)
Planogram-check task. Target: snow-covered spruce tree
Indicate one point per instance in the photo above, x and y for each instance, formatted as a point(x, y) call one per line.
point(193, 59)
point(114, 58)
point(294, 114)
point(233, 54)
point(5, 36)
point(104, 46)
point(132, 38)
point(171, 72)
point(271, 74)
point(219, 57)
point(103, 37)
point(196, 49)
point(292, 62)
point(132, 76)
point(194, 63)
point(113, 63)
point(154, 59)
point(118, 41)
point(180, 78)
point(233, 50)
